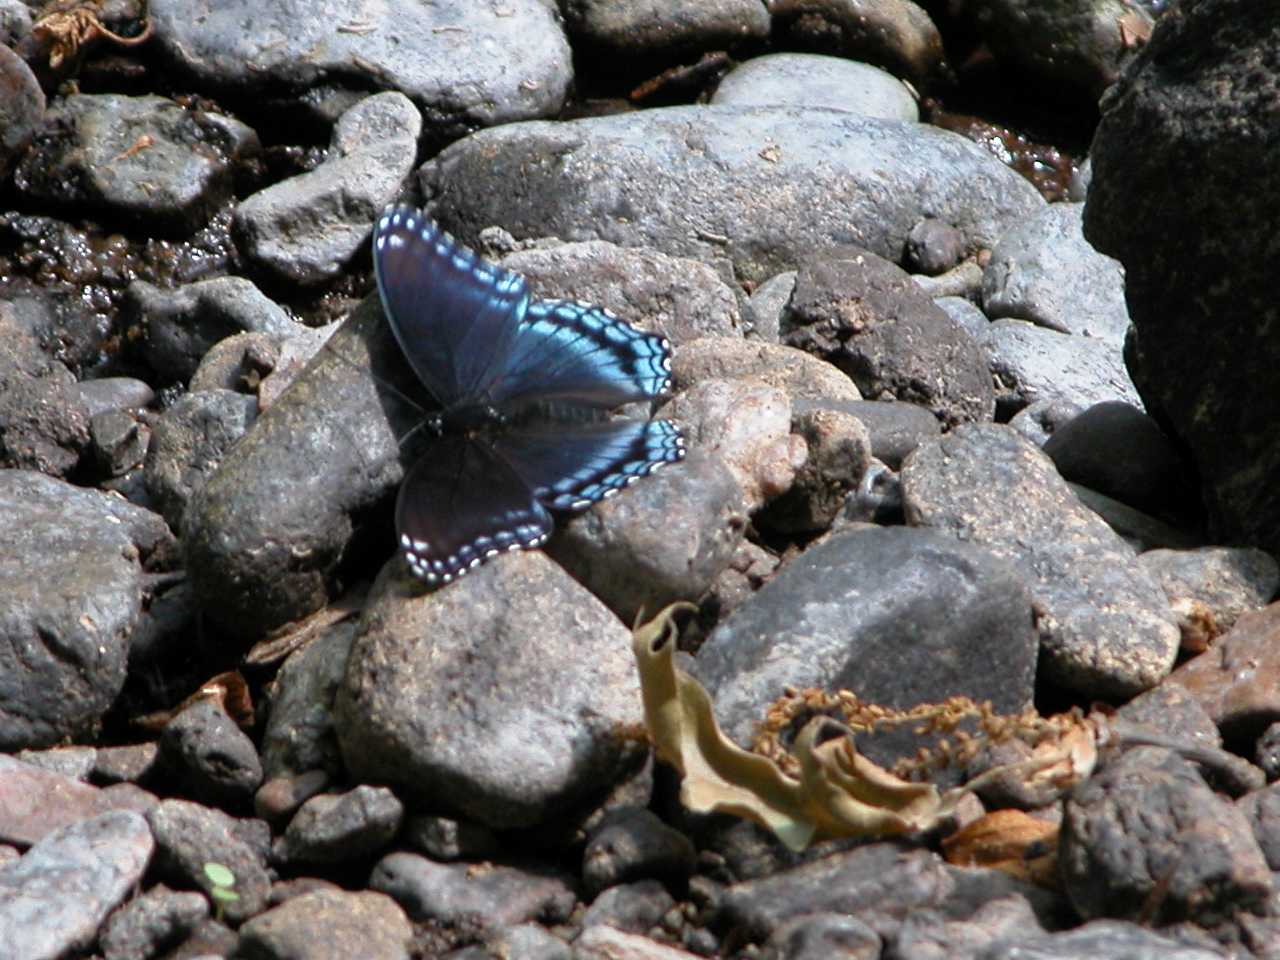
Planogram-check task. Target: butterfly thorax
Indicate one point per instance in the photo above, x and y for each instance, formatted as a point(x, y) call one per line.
point(467, 419)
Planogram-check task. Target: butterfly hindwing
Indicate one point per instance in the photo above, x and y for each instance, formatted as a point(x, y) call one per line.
point(460, 505)
point(453, 313)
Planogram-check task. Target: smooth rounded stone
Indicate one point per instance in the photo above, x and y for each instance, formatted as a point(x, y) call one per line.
point(665, 540)
point(747, 425)
point(333, 828)
point(146, 159)
point(895, 34)
point(1031, 363)
point(330, 925)
point(265, 530)
point(807, 80)
point(528, 941)
point(279, 797)
point(54, 899)
point(34, 802)
point(214, 760)
point(959, 623)
point(1238, 679)
point(187, 444)
point(306, 228)
point(1040, 421)
point(128, 763)
point(73, 763)
point(1044, 271)
point(516, 647)
point(114, 395)
point(22, 106)
point(455, 894)
point(1098, 938)
point(1104, 622)
point(883, 880)
point(661, 29)
point(603, 942)
point(894, 428)
point(63, 651)
point(299, 732)
point(443, 839)
point(1171, 711)
point(724, 358)
point(189, 835)
point(823, 935)
point(1147, 829)
point(634, 907)
point(15, 21)
point(152, 923)
point(699, 185)
point(1121, 452)
point(934, 247)
point(962, 280)
point(1194, 243)
point(839, 453)
point(928, 935)
point(1068, 45)
point(1230, 581)
point(182, 324)
point(766, 304)
point(679, 298)
point(865, 315)
point(462, 65)
point(631, 843)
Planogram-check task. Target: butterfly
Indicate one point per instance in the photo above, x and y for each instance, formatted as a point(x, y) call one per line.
point(526, 388)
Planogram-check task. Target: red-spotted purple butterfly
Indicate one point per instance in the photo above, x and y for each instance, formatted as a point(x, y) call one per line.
point(526, 389)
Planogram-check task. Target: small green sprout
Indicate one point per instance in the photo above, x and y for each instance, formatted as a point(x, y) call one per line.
point(224, 882)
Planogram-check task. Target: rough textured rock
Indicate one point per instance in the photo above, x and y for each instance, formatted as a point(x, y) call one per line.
point(865, 315)
point(898, 616)
point(802, 376)
point(330, 925)
point(1196, 239)
point(701, 183)
point(63, 648)
point(509, 714)
point(1104, 622)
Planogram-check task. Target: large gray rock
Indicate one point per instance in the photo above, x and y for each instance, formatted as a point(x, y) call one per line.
point(897, 616)
point(72, 581)
point(1104, 622)
point(464, 65)
point(497, 699)
point(761, 186)
point(809, 80)
point(1186, 194)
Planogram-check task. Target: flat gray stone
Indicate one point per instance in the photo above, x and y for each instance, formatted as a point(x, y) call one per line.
point(55, 897)
point(1031, 364)
point(1044, 271)
point(306, 228)
point(897, 616)
point(811, 80)
point(1104, 622)
point(759, 186)
point(463, 65)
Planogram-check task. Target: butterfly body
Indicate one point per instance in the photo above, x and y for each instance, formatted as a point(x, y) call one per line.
point(526, 389)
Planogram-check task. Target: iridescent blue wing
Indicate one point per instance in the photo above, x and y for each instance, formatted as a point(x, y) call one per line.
point(462, 504)
point(455, 315)
point(571, 466)
point(569, 352)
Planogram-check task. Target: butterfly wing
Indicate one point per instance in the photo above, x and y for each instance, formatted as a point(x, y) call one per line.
point(569, 352)
point(460, 505)
point(571, 466)
point(454, 314)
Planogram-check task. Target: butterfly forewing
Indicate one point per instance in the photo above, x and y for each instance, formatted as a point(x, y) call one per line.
point(574, 352)
point(453, 314)
point(461, 505)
